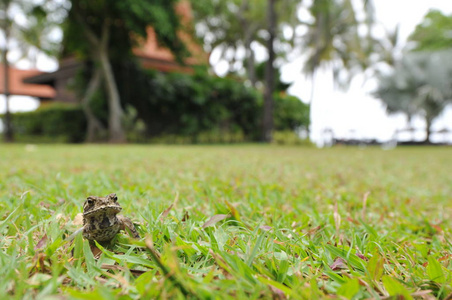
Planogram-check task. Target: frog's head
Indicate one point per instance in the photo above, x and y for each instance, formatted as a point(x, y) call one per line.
point(101, 205)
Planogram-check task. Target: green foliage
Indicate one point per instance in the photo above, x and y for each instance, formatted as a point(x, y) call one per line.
point(181, 109)
point(56, 122)
point(333, 36)
point(418, 85)
point(187, 105)
point(129, 21)
point(234, 24)
point(202, 107)
point(290, 113)
point(229, 222)
point(433, 33)
point(289, 137)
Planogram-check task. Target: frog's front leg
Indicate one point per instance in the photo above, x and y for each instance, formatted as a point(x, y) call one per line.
point(126, 223)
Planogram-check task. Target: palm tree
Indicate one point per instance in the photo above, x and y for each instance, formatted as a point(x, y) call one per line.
point(333, 41)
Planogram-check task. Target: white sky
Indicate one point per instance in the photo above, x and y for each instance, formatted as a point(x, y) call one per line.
point(351, 114)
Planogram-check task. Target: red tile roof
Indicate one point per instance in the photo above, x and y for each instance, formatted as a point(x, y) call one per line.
point(151, 50)
point(18, 87)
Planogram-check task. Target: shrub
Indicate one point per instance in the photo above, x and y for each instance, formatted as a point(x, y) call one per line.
point(290, 113)
point(51, 122)
point(202, 107)
point(289, 138)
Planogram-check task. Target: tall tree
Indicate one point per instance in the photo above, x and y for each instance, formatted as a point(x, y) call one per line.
point(111, 30)
point(269, 74)
point(333, 39)
point(6, 24)
point(329, 33)
point(236, 26)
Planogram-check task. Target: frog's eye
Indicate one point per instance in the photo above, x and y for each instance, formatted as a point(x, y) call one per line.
point(89, 201)
point(113, 197)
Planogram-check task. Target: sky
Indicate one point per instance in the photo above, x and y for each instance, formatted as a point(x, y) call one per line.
point(349, 114)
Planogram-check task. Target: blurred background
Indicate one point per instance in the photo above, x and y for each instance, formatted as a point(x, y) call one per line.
point(226, 71)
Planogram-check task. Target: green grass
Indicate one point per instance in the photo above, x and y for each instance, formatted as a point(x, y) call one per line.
point(297, 224)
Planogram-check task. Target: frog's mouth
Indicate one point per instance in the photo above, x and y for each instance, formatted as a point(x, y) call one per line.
point(109, 208)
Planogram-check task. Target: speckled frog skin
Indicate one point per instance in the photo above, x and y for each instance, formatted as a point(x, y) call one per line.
point(101, 221)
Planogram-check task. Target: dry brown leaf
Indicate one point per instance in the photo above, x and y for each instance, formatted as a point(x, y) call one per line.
point(166, 211)
point(185, 217)
point(265, 228)
point(277, 293)
point(339, 263)
point(42, 242)
point(214, 219)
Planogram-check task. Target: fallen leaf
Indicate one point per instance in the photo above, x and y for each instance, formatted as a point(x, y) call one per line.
point(351, 220)
point(96, 251)
point(166, 211)
point(265, 228)
point(360, 255)
point(43, 204)
point(277, 293)
point(214, 219)
point(436, 227)
point(445, 257)
point(339, 263)
point(41, 242)
point(185, 217)
point(314, 230)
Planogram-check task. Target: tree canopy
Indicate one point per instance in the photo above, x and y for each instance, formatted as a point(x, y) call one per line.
point(433, 33)
point(110, 31)
point(419, 85)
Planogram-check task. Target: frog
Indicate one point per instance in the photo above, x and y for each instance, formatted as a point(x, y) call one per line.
point(101, 219)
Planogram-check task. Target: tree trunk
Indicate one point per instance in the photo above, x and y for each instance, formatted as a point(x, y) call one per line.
point(94, 126)
point(428, 124)
point(250, 59)
point(117, 134)
point(8, 137)
point(249, 30)
point(269, 74)
point(100, 52)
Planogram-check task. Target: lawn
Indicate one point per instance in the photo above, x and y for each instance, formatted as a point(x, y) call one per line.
point(220, 222)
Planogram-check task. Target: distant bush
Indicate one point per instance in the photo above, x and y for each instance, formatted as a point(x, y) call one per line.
point(289, 138)
point(290, 113)
point(202, 108)
point(170, 108)
point(191, 105)
point(52, 122)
